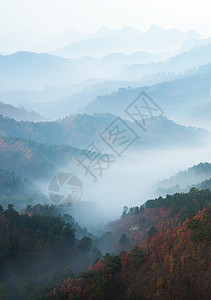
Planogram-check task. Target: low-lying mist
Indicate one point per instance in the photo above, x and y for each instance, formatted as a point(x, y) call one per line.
point(129, 181)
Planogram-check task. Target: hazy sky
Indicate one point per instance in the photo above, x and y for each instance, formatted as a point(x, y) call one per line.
point(48, 17)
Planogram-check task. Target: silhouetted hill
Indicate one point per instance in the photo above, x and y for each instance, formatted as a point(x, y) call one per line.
point(193, 58)
point(32, 159)
point(19, 114)
point(27, 70)
point(176, 97)
point(80, 129)
point(183, 180)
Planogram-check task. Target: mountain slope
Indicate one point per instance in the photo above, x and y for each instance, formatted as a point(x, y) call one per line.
point(184, 179)
point(31, 71)
point(18, 191)
point(19, 114)
point(177, 64)
point(33, 160)
point(171, 260)
point(33, 246)
point(27, 70)
point(198, 176)
point(176, 97)
point(79, 130)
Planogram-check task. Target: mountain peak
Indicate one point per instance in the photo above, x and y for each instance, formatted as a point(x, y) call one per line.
point(105, 30)
point(154, 28)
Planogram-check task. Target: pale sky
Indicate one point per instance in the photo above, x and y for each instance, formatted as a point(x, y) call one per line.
point(48, 17)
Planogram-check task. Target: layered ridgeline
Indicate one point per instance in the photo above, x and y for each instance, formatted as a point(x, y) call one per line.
point(177, 64)
point(176, 97)
point(185, 94)
point(109, 40)
point(80, 129)
point(47, 83)
point(197, 176)
point(170, 260)
point(31, 71)
point(28, 70)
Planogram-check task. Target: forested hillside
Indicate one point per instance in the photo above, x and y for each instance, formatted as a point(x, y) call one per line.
point(80, 129)
point(18, 191)
point(105, 142)
point(32, 159)
point(37, 251)
point(170, 260)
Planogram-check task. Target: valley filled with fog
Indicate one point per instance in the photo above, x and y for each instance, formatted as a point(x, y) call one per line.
point(123, 113)
point(69, 101)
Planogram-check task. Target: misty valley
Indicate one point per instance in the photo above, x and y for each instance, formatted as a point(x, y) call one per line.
point(105, 165)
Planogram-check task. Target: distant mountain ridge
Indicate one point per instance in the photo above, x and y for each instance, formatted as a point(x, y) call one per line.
point(198, 176)
point(126, 40)
point(193, 58)
point(31, 71)
point(174, 96)
point(28, 41)
point(81, 129)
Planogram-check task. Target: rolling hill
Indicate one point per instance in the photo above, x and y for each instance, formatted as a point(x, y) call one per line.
point(33, 160)
point(19, 114)
point(176, 97)
point(197, 176)
point(191, 59)
point(81, 129)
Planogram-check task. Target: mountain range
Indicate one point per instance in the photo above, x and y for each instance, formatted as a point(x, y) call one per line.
point(125, 40)
point(28, 41)
point(176, 97)
point(81, 129)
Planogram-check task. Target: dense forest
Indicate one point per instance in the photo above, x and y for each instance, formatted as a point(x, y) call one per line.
point(18, 191)
point(172, 261)
point(160, 250)
point(31, 159)
point(170, 265)
point(39, 250)
point(80, 129)
point(105, 170)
